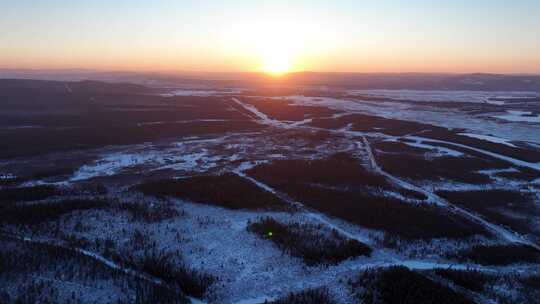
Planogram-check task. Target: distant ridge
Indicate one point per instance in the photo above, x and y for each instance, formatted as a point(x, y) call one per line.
point(391, 81)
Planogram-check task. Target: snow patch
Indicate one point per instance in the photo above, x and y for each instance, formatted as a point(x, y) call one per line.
point(439, 151)
point(519, 116)
point(489, 138)
point(114, 163)
point(7, 176)
point(446, 96)
point(511, 160)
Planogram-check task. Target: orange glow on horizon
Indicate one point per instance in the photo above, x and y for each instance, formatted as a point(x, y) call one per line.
point(273, 37)
point(281, 65)
point(273, 55)
point(277, 65)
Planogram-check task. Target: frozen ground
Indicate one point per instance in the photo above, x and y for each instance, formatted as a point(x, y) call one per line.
point(519, 116)
point(480, 121)
point(250, 269)
point(447, 96)
point(494, 139)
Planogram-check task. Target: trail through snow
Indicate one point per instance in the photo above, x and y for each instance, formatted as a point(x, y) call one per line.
point(503, 233)
point(517, 162)
point(431, 197)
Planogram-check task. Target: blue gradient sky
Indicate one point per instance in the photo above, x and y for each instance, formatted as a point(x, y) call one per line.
point(355, 36)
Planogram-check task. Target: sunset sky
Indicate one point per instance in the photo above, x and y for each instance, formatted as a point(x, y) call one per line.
point(273, 36)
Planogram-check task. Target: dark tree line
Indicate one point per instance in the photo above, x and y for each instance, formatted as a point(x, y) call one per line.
point(308, 242)
point(398, 284)
point(309, 296)
point(226, 190)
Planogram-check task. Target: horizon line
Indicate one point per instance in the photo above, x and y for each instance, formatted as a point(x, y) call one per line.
point(185, 72)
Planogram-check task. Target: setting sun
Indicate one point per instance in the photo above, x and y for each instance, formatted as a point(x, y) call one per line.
point(278, 46)
point(277, 65)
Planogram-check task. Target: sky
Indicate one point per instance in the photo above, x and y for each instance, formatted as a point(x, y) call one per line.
point(454, 36)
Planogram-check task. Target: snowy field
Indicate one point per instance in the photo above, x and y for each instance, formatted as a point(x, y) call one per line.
point(464, 164)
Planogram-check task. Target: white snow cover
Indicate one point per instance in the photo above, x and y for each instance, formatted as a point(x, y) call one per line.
point(440, 116)
point(517, 162)
point(439, 151)
point(6, 176)
point(519, 116)
point(256, 269)
point(113, 163)
point(490, 138)
point(446, 96)
point(262, 118)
